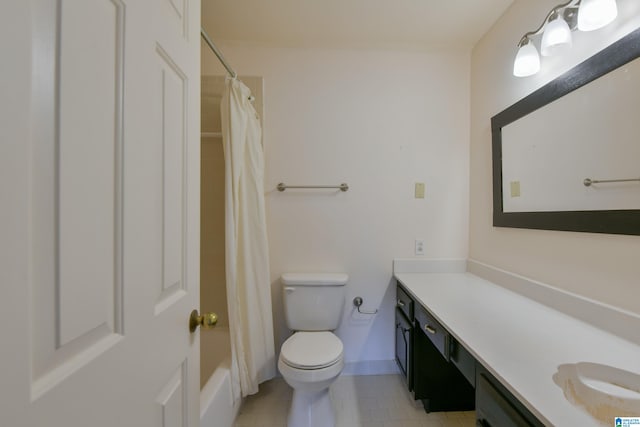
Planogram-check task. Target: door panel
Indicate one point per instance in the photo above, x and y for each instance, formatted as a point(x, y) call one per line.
point(173, 89)
point(180, 20)
point(88, 168)
point(76, 240)
point(172, 400)
point(101, 232)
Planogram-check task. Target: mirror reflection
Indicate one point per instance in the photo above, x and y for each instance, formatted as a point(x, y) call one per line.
point(582, 125)
point(591, 133)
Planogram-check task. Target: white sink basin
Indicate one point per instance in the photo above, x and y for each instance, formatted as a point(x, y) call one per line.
point(603, 391)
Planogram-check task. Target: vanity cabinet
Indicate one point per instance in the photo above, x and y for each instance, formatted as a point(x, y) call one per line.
point(430, 373)
point(444, 375)
point(519, 368)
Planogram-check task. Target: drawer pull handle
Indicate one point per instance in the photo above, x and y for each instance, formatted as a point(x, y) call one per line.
point(429, 329)
point(400, 303)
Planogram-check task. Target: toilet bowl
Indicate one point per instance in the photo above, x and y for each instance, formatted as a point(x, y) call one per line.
point(313, 357)
point(310, 362)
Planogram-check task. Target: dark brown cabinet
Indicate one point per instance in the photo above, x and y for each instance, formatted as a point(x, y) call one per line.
point(431, 376)
point(444, 375)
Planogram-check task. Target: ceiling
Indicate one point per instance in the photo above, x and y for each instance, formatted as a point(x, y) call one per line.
point(422, 24)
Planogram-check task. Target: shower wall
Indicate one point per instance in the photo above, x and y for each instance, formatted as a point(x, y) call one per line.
point(215, 346)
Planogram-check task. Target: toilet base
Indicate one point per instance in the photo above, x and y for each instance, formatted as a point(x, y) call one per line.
point(311, 404)
point(311, 409)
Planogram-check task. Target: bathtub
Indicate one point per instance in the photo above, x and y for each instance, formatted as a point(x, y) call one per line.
point(216, 398)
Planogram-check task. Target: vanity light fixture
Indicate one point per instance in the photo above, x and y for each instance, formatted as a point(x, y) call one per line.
point(556, 36)
point(594, 14)
point(583, 15)
point(527, 60)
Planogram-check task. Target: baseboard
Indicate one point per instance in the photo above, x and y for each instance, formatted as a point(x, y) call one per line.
point(371, 367)
point(614, 320)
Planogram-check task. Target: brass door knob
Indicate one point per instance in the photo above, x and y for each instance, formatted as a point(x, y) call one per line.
point(207, 320)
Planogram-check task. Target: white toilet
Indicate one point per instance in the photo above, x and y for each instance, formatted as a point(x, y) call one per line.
point(312, 358)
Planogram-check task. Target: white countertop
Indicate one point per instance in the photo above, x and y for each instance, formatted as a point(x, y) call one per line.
point(520, 341)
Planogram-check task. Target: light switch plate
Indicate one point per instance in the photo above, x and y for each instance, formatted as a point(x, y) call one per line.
point(419, 190)
point(515, 188)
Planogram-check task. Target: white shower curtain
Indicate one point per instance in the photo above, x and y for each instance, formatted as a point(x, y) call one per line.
point(247, 260)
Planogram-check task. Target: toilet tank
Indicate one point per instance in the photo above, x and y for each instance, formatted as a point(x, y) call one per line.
point(313, 302)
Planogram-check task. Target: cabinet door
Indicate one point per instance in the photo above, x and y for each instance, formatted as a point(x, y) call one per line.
point(403, 346)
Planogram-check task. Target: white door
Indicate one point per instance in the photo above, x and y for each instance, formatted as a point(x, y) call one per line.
point(99, 205)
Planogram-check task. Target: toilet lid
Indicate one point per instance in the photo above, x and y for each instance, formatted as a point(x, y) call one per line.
point(311, 350)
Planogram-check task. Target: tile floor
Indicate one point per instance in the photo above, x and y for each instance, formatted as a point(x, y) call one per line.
point(371, 401)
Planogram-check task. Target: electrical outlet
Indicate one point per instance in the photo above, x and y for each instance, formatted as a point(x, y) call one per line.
point(419, 247)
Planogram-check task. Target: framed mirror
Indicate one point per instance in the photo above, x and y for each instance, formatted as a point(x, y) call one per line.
point(567, 156)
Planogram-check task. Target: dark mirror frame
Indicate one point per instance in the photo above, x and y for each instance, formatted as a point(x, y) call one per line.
point(595, 221)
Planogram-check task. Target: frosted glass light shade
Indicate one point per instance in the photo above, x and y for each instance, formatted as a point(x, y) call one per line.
point(527, 61)
point(556, 37)
point(594, 14)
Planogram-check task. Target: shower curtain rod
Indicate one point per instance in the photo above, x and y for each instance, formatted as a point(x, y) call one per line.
point(215, 50)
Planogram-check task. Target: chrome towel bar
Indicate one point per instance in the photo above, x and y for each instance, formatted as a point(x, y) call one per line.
point(282, 186)
point(588, 181)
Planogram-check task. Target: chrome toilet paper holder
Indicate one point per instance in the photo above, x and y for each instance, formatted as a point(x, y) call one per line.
point(357, 302)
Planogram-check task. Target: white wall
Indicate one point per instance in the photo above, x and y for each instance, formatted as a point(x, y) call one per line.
point(379, 121)
point(598, 266)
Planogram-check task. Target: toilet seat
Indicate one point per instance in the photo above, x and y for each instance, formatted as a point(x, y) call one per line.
point(312, 350)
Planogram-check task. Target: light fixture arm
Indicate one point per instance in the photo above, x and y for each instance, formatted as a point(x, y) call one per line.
point(526, 37)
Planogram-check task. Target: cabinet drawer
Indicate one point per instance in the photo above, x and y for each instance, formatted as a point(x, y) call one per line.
point(404, 302)
point(436, 333)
